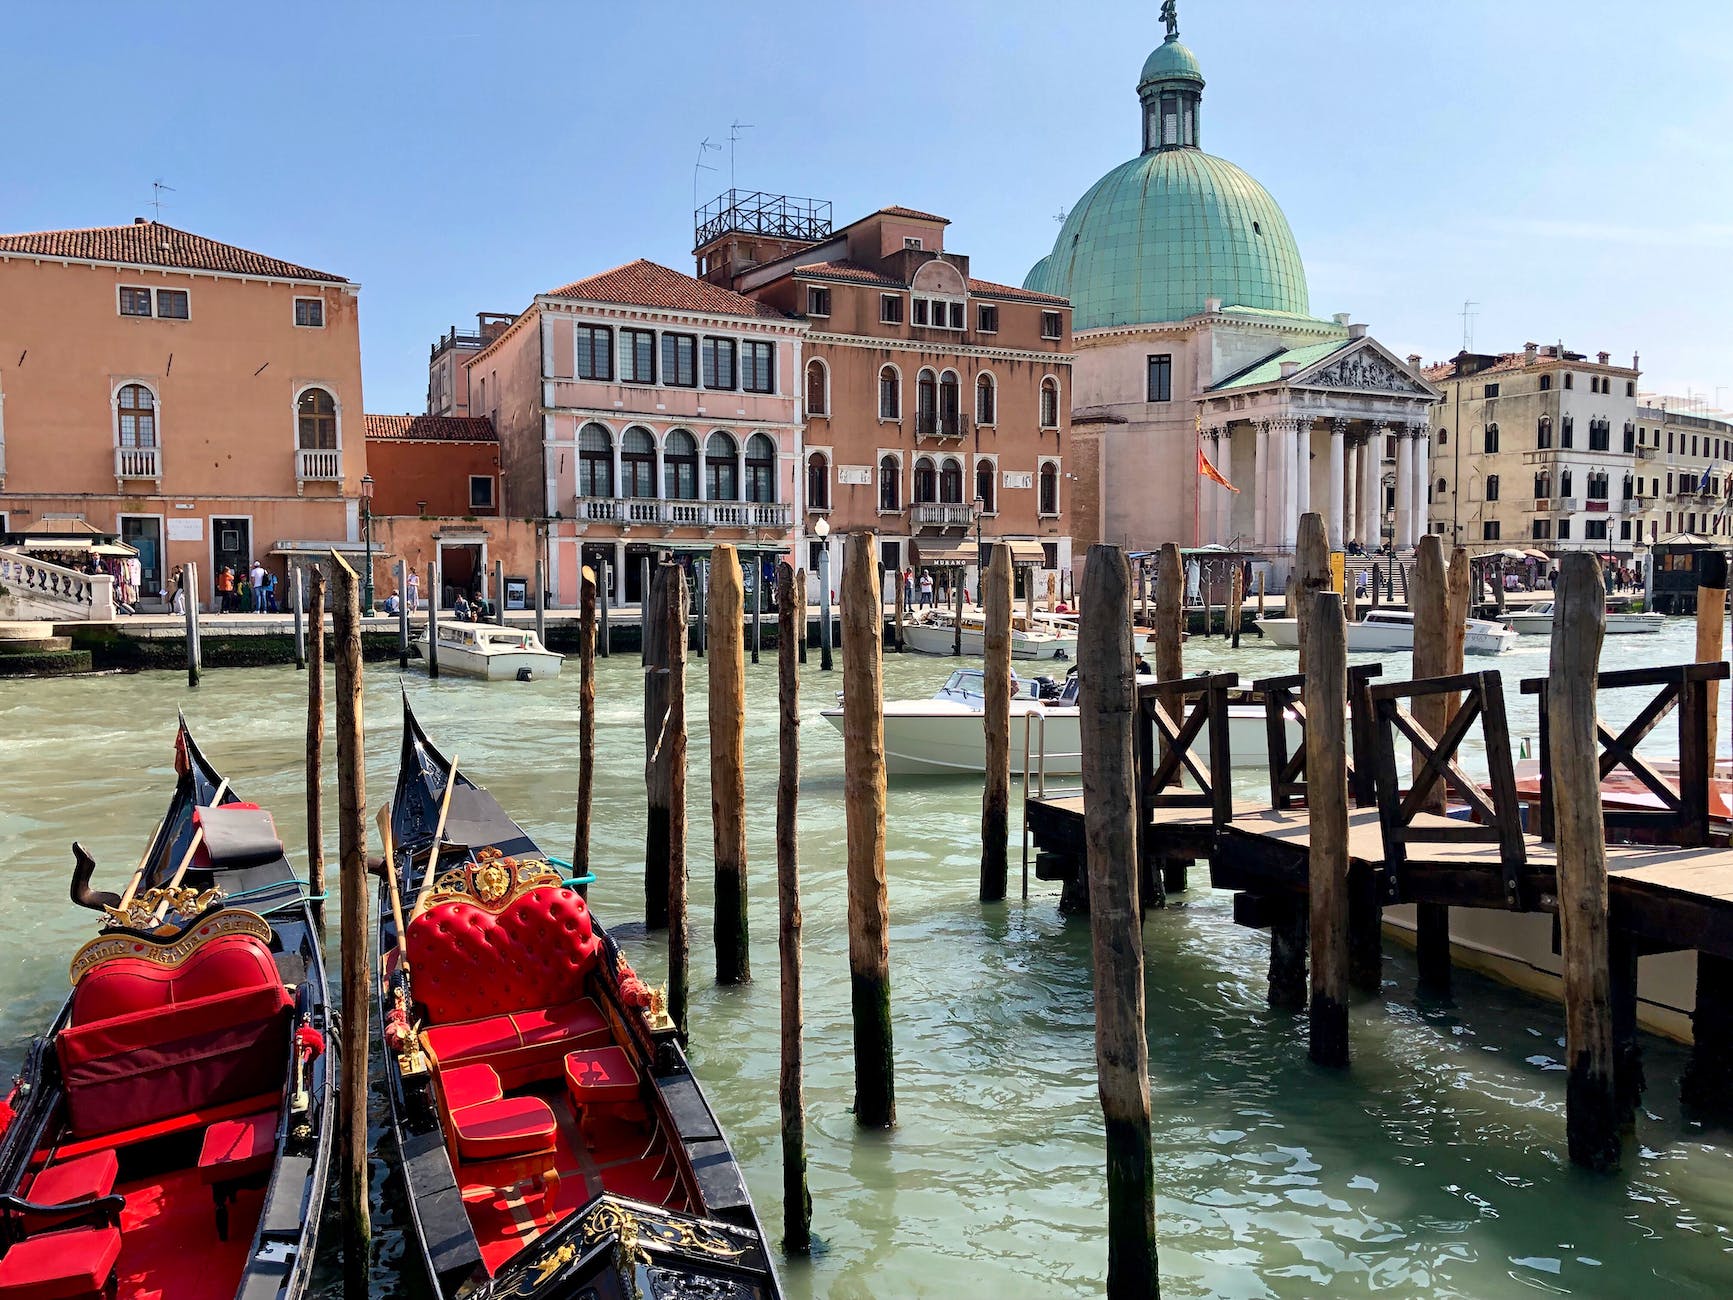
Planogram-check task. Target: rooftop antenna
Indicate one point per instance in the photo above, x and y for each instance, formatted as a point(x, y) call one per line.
point(1468, 315)
point(157, 189)
point(704, 146)
point(734, 129)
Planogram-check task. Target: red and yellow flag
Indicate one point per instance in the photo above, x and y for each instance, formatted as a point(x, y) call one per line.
point(1210, 472)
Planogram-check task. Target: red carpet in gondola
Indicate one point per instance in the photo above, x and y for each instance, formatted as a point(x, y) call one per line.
point(169, 1248)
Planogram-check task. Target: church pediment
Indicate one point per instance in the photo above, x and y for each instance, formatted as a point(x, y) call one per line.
point(1367, 368)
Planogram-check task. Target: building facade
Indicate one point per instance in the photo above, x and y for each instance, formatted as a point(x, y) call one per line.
point(1684, 470)
point(642, 411)
point(198, 399)
point(1540, 449)
point(936, 405)
point(448, 362)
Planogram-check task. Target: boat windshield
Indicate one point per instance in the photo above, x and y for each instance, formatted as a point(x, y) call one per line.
point(506, 640)
point(970, 685)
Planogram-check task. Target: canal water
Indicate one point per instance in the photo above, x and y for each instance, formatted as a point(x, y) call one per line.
point(1434, 1166)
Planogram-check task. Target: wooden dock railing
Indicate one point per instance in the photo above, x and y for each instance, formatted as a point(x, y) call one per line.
point(1164, 745)
point(1283, 699)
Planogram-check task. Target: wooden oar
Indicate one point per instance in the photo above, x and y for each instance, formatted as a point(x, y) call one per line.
point(143, 862)
point(438, 835)
point(391, 884)
point(198, 838)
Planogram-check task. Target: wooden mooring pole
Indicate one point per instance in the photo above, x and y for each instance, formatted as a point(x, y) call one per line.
point(1430, 602)
point(791, 1094)
point(316, 741)
point(586, 720)
point(1592, 1120)
point(498, 594)
point(357, 962)
point(1326, 694)
point(433, 622)
point(1169, 667)
point(875, 1103)
point(1236, 603)
point(603, 581)
point(297, 598)
point(901, 614)
point(1106, 670)
point(757, 604)
point(728, 761)
point(1260, 593)
point(403, 616)
point(1311, 575)
point(190, 586)
point(668, 609)
point(541, 602)
point(1712, 630)
point(664, 638)
point(957, 627)
point(996, 794)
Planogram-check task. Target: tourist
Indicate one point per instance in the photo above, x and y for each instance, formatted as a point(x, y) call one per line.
point(177, 592)
point(225, 590)
point(270, 592)
point(908, 587)
point(256, 581)
point(392, 604)
point(926, 587)
point(460, 608)
point(414, 590)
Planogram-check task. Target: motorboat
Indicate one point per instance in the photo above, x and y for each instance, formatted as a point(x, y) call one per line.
point(1385, 631)
point(555, 1140)
point(492, 653)
point(946, 734)
point(934, 632)
point(1536, 620)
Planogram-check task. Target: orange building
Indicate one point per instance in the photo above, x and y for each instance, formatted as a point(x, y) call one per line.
point(434, 465)
point(200, 400)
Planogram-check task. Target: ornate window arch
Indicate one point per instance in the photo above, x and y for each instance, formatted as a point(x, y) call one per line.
point(1049, 403)
point(595, 461)
point(926, 402)
point(890, 483)
point(817, 388)
point(926, 481)
point(986, 486)
point(680, 466)
point(951, 481)
point(638, 463)
point(986, 398)
point(135, 415)
point(890, 393)
point(950, 404)
point(316, 420)
point(1049, 498)
point(721, 467)
point(760, 469)
point(818, 481)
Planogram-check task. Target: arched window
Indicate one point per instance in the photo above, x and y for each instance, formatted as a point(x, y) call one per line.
point(1543, 433)
point(315, 420)
point(984, 487)
point(817, 389)
point(1443, 437)
point(926, 481)
point(595, 461)
point(1491, 487)
point(1630, 488)
point(818, 481)
point(1050, 489)
point(890, 484)
point(721, 468)
point(890, 394)
point(638, 463)
point(760, 469)
point(926, 404)
point(680, 467)
point(1492, 437)
point(984, 399)
point(1542, 486)
point(1440, 488)
point(1567, 428)
point(951, 482)
point(136, 407)
point(1049, 403)
point(1564, 482)
point(950, 405)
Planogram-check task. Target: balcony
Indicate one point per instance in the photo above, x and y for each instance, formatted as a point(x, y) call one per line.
point(319, 465)
point(1645, 452)
point(138, 462)
point(632, 512)
point(941, 424)
point(934, 514)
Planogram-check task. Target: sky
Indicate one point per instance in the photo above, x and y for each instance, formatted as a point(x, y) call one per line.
point(1568, 167)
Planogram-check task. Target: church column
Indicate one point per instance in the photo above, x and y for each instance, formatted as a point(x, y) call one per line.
point(1336, 519)
point(1302, 471)
point(1404, 489)
point(1223, 442)
point(1371, 494)
point(1261, 511)
point(1286, 438)
point(1422, 478)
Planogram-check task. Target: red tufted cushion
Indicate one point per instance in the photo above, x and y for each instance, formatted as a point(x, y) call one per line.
point(494, 1130)
point(123, 985)
point(73, 1264)
point(574, 1020)
point(523, 1047)
point(468, 1085)
point(470, 963)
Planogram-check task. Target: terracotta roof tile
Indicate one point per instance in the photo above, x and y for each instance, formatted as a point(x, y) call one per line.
point(646, 284)
point(852, 271)
point(430, 428)
point(895, 211)
point(149, 243)
point(988, 289)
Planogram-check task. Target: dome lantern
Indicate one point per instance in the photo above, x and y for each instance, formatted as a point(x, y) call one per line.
point(1171, 90)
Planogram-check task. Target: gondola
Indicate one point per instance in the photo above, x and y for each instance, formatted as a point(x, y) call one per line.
point(554, 1141)
point(170, 1135)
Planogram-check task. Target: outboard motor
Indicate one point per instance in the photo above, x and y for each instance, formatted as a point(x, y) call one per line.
point(1044, 688)
point(524, 675)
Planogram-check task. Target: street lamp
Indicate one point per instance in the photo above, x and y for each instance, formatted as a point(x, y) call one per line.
point(367, 542)
point(822, 528)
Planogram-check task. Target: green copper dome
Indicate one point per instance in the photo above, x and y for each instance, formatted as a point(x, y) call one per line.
point(1171, 62)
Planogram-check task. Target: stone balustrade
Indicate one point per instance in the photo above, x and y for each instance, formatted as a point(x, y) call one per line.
point(653, 511)
point(56, 589)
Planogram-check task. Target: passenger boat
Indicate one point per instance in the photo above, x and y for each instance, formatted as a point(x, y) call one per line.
point(934, 632)
point(1536, 620)
point(1391, 630)
point(947, 735)
point(555, 1142)
point(170, 1135)
point(491, 652)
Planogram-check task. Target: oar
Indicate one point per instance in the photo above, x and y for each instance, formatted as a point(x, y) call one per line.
point(391, 884)
point(438, 835)
point(143, 862)
point(198, 838)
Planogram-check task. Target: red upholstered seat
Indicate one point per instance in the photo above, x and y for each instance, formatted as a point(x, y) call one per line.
point(494, 1130)
point(603, 1074)
point(470, 963)
point(468, 1085)
point(85, 1178)
point(573, 1021)
point(523, 1046)
point(73, 1264)
point(235, 1149)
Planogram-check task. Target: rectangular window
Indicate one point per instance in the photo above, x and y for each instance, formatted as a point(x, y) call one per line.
point(1489, 530)
point(719, 364)
point(1595, 530)
point(958, 315)
point(1491, 390)
point(909, 241)
point(758, 367)
point(171, 304)
point(817, 301)
point(680, 360)
point(1546, 383)
point(134, 302)
point(1492, 437)
point(1630, 388)
point(1669, 442)
point(1568, 384)
point(1542, 529)
point(920, 312)
point(988, 318)
point(1564, 530)
point(1051, 325)
point(890, 309)
point(638, 356)
point(310, 312)
point(595, 349)
point(1492, 487)
point(1161, 377)
point(481, 491)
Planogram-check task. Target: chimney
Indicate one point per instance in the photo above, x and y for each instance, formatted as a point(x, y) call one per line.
point(140, 221)
point(1290, 369)
point(1341, 318)
point(1414, 361)
point(1529, 352)
point(1356, 331)
point(1636, 361)
point(1604, 357)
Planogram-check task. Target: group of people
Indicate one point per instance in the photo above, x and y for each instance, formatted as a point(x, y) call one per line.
point(252, 590)
point(925, 586)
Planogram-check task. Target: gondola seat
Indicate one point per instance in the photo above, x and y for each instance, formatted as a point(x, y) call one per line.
point(72, 1264)
point(236, 1152)
point(73, 1184)
point(603, 1074)
point(485, 1124)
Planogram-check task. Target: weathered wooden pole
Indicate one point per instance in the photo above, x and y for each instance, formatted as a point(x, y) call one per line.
point(603, 581)
point(1326, 694)
point(190, 586)
point(1311, 575)
point(1260, 593)
point(1429, 599)
point(498, 593)
point(1458, 580)
point(728, 764)
point(297, 598)
point(1236, 603)
point(433, 622)
point(657, 724)
point(1712, 630)
point(875, 1102)
point(586, 718)
point(901, 614)
point(757, 604)
point(1592, 1120)
point(996, 601)
point(1350, 597)
point(957, 627)
point(1707, 1085)
point(403, 616)
point(316, 742)
point(541, 602)
point(354, 930)
point(1170, 667)
point(790, 632)
point(1108, 707)
point(672, 615)
point(1028, 599)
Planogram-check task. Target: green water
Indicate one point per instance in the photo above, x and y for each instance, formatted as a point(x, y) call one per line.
point(1434, 1166)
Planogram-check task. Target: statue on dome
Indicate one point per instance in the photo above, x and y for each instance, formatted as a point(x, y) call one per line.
point(1170, 16)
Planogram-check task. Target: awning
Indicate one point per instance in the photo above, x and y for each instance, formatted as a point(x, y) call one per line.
point(1537, 555)
point(950, 557)
point(76, 544)
point(1025, 554)
point(1510, 552)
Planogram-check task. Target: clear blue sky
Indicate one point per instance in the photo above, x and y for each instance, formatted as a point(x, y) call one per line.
point(1569, 166)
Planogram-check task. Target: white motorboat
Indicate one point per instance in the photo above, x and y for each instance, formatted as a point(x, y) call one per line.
point(1536, 620)
point(1388, 630)
point(493, 653)
point(946, 735)
point(934, 632)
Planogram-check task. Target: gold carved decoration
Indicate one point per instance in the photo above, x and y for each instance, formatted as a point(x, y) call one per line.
point(636, 1230)
point(491, 881)
point(184, 905)
point(169, 952)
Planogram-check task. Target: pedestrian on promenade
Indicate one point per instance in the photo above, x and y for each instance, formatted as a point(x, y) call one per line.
point(926, 587)
point(908, 587)
point(256, 584)
point(270, 592)
point(460, 608)
point(177, 582)
point(225, 590)
point(414, 590)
